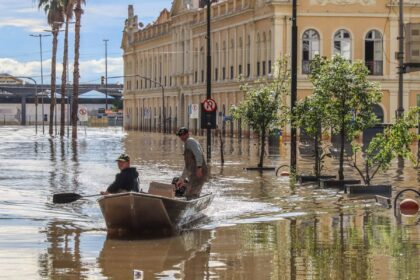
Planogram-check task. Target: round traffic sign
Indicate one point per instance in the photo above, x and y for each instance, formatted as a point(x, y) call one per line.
point(82, 111)
point(209, 105)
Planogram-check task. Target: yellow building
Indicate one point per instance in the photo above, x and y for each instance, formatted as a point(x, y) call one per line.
point(6, 79)
point(247, 37)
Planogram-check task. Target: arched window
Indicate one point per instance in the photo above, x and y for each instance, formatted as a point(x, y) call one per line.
point(264, 54)
point(373, 52)
point(248, 56)
point(342, 43)
point(269, 52)
point(258, 54)
point(216, 62)
point(310, 48)
point(231, 58)
point(224, 56)
point(240, 56)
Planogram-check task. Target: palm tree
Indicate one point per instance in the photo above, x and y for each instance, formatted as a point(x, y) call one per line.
point(68, 14)
point(54, 11)
point(78, 11)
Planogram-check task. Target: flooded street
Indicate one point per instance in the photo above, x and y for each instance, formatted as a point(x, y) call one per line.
point(257, 227)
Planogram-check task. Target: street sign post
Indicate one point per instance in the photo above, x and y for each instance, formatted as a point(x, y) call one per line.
point(208, 114)
point(82, 114)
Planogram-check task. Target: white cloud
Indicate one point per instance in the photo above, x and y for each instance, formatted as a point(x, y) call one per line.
point(33, 25)
point(90, 70)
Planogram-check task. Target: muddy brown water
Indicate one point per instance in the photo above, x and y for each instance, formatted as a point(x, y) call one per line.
point(258, 227)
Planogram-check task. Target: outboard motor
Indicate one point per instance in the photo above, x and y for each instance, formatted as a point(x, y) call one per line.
point(179, 191)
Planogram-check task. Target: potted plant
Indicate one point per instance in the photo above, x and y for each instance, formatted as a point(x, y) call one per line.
point(383, 148)
point(350, 96)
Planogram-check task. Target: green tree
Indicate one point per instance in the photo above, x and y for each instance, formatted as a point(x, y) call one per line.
point(311, 115)
point(78, 11)
point(384, 147)
point(68, 6)
point(351, 97)
point(264, 106)
point(54, 11)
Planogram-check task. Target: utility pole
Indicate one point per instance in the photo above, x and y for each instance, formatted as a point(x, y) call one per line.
point(400, 111)
point(42, 76)
point(293, 91)
point(106, 73)
point(208, 75)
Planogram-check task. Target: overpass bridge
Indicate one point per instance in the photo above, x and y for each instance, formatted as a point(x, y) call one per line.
point(27, 93)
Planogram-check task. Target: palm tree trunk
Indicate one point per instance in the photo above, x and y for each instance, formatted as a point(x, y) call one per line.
point(64, 78)
point(75, 100)
point(53, 75)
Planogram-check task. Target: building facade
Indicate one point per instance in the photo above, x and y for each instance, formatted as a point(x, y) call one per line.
point(165, 62)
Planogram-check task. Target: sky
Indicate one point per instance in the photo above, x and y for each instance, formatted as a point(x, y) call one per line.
point(102, 19)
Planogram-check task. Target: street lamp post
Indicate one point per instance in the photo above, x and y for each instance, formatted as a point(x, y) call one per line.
point(293, 91)
point(106, 73)
point(155, 82)
point(400, 109)
point(42, 76)
point(208, 93)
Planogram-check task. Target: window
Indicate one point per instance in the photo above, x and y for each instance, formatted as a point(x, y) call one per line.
point(310, 48)
point(202, 76)
point(342, 44)
point(240, 69)
point(231, 72)
point(263, 68)
point(373, 52)
point(195, 77)
point(269, 67)
point(258, 69)
point(248, 70)
point(216, 74)
point(223, 73)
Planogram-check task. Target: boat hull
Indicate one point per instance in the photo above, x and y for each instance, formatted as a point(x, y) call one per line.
point(137, 213)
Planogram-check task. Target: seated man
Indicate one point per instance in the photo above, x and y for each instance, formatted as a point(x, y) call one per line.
point(125, 181)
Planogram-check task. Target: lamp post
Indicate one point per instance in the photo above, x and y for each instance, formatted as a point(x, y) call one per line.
point(208, 93)
point(155, 82)
point(106, 73)
point(400, 109)
point(42, 76)
point(293, 90)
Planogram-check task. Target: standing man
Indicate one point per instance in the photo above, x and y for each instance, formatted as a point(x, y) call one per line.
point(125, 181)
point(195, 169)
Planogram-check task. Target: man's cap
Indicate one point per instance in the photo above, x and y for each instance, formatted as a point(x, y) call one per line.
point(123, 157)
point(182, 131)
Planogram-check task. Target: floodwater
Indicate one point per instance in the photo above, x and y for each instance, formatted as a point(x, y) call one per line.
point(258, 227)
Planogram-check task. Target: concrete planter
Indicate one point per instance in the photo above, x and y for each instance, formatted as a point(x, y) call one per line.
point(260, 168)
point(331, 183)
point(313, 178)
point(357, 189)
